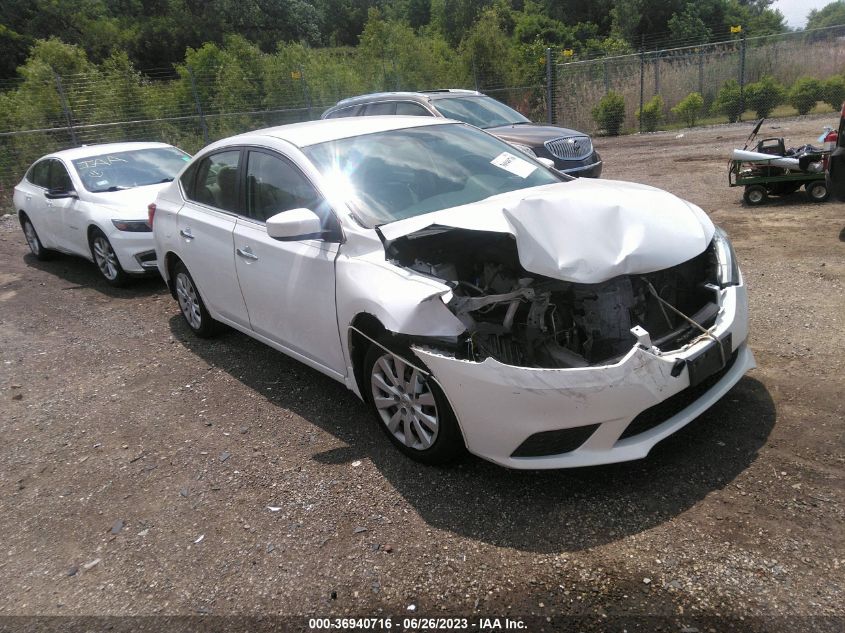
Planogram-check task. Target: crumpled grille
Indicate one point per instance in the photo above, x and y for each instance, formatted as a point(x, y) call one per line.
point(570, 147)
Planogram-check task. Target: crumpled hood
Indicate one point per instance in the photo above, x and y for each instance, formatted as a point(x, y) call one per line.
point(584, 231)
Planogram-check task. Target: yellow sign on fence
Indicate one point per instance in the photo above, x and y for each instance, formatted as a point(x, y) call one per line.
point(736, 29)
point(295, 74)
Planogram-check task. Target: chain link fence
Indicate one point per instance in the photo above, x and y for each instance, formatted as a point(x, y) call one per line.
point(765, 70)
point(190, 107)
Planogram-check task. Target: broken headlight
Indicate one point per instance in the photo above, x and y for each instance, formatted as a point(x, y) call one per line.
point(727, 269)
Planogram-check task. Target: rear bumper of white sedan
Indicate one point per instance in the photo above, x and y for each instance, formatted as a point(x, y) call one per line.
point(531, 418)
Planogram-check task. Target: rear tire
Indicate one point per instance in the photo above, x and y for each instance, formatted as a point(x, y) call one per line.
point(33, 241)
point(755, 195)
point(817, 191)
point(191, 304)
point(411, 409)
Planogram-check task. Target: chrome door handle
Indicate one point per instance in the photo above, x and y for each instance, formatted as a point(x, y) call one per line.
point(246, 253)
point(186, 233)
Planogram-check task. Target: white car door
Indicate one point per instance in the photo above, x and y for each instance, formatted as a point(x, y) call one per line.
point(206, 224)
point(37, 206)
point(68, 214)
point(288, 286)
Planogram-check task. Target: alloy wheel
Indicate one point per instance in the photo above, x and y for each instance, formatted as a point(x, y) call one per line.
point(188, 300)
point(31, 238)
point(404, 402)
point(105, 258)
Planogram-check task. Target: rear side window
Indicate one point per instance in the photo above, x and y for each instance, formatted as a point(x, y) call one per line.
point(216, 181)
point(40, 174)
point(409, 108)
point(343, 112)
point(375, 109)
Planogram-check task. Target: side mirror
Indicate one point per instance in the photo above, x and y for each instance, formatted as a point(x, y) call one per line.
point(548, 162)
point(54, 194)
point(296, 224)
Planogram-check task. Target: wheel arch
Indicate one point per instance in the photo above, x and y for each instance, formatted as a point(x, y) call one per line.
point(372, 327)
point(170, 259)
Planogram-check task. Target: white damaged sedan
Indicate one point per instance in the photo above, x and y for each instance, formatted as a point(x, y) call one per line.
point(475, 298)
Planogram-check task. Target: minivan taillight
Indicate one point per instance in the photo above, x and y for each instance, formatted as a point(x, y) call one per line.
point(151, 213)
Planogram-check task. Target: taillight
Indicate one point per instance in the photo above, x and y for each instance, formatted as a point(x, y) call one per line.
point(151, 213)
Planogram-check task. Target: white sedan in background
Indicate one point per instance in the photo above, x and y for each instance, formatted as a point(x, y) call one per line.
point(93, 201)
point(475, 298)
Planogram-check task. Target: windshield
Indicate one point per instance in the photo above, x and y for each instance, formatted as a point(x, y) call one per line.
point(135, 168)
point(481, 112)
point(399, 174)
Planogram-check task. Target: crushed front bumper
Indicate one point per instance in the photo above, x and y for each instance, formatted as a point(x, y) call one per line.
point(499, 407)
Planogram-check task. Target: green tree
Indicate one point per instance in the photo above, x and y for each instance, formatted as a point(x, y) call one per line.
point(832, 14)
point(729, 101)
point(610, 113)
point(804, 94)
point(689, 108)
point(688, 27)
point(652, 113)
point(833, 92)
point(764, 96)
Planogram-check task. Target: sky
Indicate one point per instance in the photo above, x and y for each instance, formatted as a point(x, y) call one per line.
point(795, 11)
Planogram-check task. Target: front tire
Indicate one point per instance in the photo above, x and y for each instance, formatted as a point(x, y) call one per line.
point(106, 259)
point(191, 304)
point(411, 409)
point(817, 191)
point(33, 241)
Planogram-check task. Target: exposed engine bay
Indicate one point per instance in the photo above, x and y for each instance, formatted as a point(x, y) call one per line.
point(523, 319)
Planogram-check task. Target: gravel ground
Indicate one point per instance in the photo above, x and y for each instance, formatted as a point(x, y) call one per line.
point(147, 472)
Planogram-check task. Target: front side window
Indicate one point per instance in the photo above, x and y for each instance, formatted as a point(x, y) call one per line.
point(59, 178)
point(116, 171)
point(398, 174)
point(482, 112)
point(216, 181)
point(274, 185)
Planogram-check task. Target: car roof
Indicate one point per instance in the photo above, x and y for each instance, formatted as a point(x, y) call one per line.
point(314, 132)
point(419, 95)
point(84, 151)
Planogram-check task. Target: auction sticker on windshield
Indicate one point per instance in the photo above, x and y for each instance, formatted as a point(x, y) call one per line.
point(514, 164)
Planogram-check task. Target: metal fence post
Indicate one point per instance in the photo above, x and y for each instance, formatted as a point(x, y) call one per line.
point(701, 71)
point(550, 89)
point(474, 74)
point(198, 105)
point(66, 109)
point(606, 78)
point(741, 75)
point(642, 86)
point(306, 94)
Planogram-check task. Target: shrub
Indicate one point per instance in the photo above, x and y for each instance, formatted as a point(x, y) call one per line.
point(729, 101)
point(833, 92)
point(804, 94)
point(689, 108)
point(610, 113)
point(764, 96)
point(651, 114)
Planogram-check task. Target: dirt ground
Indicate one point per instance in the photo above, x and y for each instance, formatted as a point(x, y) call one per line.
point(129, 442)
